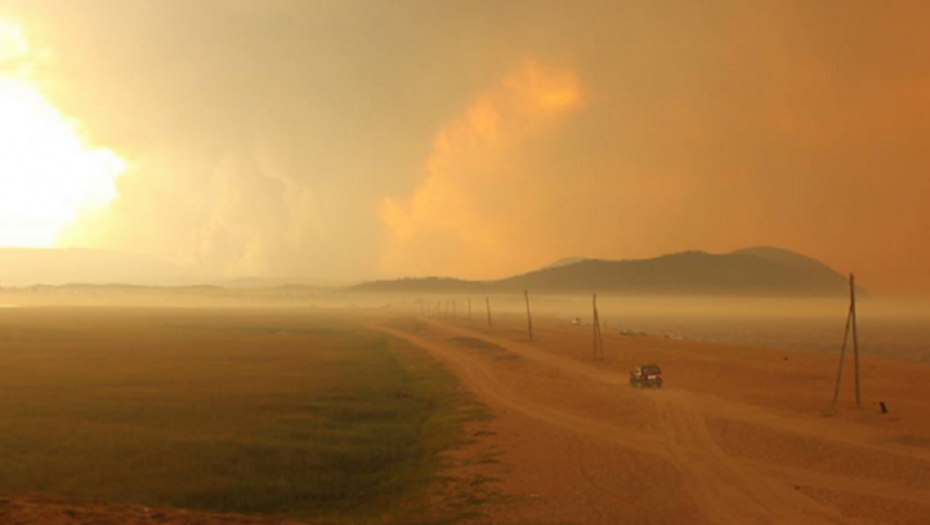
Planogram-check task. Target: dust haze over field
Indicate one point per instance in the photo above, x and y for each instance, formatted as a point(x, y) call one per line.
point(383, 415)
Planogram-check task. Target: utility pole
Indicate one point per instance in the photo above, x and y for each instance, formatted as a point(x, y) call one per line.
point(850, 324)
point(855, 331)
point(487, 301)
point(598, 341)
point(529, 317)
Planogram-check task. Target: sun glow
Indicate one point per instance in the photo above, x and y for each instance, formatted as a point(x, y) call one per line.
point(48, 172)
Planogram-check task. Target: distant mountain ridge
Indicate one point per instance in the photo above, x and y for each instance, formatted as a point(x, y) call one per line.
point(24, 267)
point(566, 261)
point(762, 271)
point(61, 266)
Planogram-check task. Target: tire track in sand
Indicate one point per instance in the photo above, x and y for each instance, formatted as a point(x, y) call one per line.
point(727, 491)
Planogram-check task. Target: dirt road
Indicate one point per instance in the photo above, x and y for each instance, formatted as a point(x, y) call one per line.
point(582, 446)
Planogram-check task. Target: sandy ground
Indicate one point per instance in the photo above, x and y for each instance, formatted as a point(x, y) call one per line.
point(737, 436)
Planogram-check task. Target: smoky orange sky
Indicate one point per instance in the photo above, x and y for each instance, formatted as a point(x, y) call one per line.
point(367, 139)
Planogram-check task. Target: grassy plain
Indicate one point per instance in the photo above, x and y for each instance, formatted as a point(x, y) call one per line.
point(282, 412)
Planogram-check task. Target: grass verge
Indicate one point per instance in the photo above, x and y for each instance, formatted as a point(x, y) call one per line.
point(256, 412)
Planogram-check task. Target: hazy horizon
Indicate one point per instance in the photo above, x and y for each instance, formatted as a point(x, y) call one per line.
point(29, 267)
point(362, 140)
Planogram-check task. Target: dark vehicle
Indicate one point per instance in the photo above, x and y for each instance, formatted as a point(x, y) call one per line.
point(646, 375)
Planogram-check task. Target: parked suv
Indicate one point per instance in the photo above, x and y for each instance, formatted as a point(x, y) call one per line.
point(646, 375)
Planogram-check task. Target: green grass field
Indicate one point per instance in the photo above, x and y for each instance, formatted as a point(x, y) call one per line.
point(259, 411)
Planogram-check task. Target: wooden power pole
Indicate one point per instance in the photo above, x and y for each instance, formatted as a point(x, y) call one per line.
point(851, 324)
point(529, 316)
point(855, 333)
point(487, 301)
point(598, 341)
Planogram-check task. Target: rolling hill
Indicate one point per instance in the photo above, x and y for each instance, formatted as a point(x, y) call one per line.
point(761, 271)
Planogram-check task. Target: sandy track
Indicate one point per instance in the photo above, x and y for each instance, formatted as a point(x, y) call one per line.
point(679, 430)
point(727, 489)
